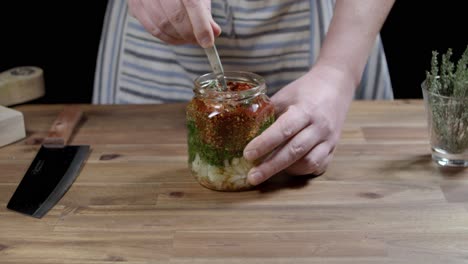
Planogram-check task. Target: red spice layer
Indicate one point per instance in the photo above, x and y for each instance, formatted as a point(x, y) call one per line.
point(230, 125)
point(239, 86)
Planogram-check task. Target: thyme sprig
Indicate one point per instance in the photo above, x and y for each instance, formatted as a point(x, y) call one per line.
point(447, 100)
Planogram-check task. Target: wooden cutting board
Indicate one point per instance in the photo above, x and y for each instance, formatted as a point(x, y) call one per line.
point(381, 201)
point(11, 126)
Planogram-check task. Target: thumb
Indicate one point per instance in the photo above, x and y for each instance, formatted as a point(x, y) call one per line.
point(216, 28)
point(280, 101)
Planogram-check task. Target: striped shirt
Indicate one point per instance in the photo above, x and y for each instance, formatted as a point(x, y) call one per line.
point(277, 39)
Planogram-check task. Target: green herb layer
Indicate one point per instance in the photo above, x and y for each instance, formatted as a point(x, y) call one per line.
point(210, 154)
point(266, 124)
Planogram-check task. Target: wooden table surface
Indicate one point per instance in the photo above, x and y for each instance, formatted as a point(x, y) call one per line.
point(382, 199)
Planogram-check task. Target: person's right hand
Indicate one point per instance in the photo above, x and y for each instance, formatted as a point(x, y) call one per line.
point(177, 21)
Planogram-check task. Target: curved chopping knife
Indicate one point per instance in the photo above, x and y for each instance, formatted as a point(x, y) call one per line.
point(53, 170)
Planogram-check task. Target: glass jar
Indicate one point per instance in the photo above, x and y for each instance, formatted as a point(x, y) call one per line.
point(221, 123)
point(447, 120)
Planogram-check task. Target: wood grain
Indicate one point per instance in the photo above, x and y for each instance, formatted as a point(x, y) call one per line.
point(382, 200)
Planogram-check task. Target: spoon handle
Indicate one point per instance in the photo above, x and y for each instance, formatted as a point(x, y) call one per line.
point(216, 66)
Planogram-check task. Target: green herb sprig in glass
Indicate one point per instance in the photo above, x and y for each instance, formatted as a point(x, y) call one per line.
point(447, 86)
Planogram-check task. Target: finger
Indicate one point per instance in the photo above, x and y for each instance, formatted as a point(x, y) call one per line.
point(135, 7)
point(291, 152)
point(158, 17)
point(178, 17)
point(313, 162)
point(142, 16)
point(131, 4)
point(285, 127)
point(324, 166)
point(207, 4)
point(283, 98)
point(216, 28)
point(200, 19)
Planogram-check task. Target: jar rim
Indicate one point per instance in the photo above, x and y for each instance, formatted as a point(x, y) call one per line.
point(201, 85)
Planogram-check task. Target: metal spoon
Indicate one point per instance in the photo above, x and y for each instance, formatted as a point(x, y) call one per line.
point(215, 62)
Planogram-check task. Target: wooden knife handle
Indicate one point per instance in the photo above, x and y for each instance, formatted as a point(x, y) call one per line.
point(63, 127)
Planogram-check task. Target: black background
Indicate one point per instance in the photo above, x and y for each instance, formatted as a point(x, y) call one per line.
point(412, 30)
point(62, 37)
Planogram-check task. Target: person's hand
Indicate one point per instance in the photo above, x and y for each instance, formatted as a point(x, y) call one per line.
point(177, 21)
point(311, 113)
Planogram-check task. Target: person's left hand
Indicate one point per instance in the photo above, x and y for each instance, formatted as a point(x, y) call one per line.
point(311, 112)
